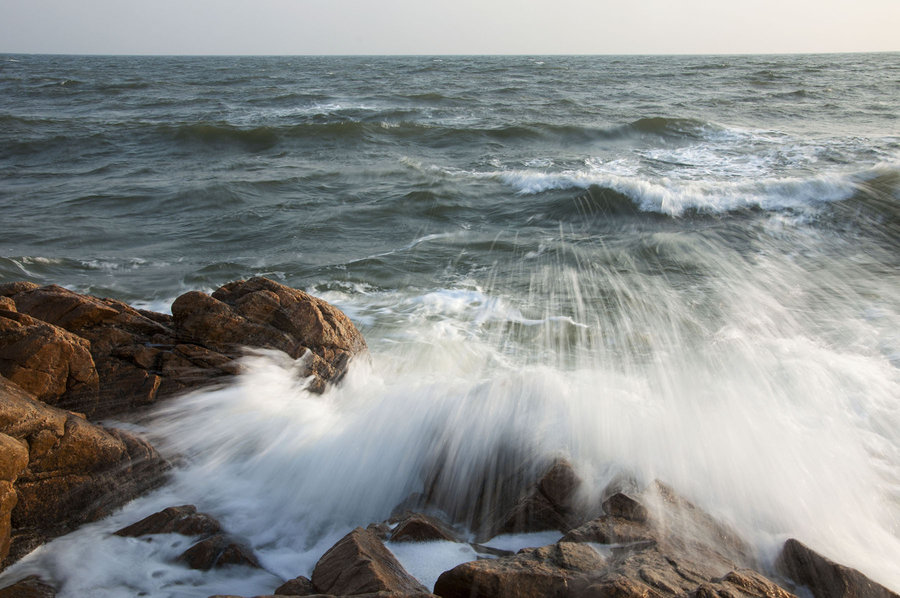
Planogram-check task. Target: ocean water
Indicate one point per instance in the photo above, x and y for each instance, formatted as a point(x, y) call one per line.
point(676, 268)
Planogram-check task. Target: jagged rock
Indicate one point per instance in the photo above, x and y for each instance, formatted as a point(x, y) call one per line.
point(183, 520)
point(30, 587)
point(13, 459)
point(533, 573)
point(299, 586)
point(218, 551)
point(824, 577)
point(47, 361)
point(75, 472)
point(549, 505)
point(623, 506)
point(366, 595)
point(422, 528)
point(358, 564)
point(138, 356)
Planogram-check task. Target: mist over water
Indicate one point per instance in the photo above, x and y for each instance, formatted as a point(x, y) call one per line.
point(683, 269)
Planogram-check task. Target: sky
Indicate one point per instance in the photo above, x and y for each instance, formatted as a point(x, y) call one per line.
point(448, 27)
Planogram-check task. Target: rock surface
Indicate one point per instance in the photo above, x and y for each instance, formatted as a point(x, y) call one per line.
point(418, 527)
point(299, 586)
point(358, 564)
point(101, 356)
point(824, 577)
point(30, 587)
point(184, 520)
point(218, 551)
point(63, 469)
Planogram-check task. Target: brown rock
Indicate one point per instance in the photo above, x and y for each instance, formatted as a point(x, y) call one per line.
point(13, 459)
point(7, 304)
point(76, 471)
point(611, 530)
point(622, 505)
point(8, 289)
point(549, 505)
point(47, 361)
point(359, 563)
point(537, 573)
point(183, 520)
point(218, 551)
point(30, 587)
point(299, 586)
point(824, 577)
point(422, 528)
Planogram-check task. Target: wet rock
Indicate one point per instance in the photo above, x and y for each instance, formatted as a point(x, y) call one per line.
point(299, 586)
point(358, 564)
point(218, 551)
point(824, 577)
point(13, 459)
point(30, 587)
point(611, 530)
point(549, 505)
point(422, 528)
point(47, 361)
point(183, 520)
point(75, 472)
point(533, 573)
point(102, 357)
point(623, 506)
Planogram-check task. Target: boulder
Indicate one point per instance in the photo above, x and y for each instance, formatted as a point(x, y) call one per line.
point(824, 577)
point(422, 528)
point(101, 356)
point(623, 506)
point(47, 361)
point(533, 573)
point(30, 587)
point(218, 551)
point(74, 471)
point(358, 564)
point(299, 586)
point(183, 520)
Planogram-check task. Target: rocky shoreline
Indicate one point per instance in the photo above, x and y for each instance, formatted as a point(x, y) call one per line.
point(68, 360)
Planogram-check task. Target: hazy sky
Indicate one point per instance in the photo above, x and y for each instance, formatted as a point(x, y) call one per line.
point(447, 27)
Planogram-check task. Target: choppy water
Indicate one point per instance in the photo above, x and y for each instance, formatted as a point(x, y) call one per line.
point(676, 267)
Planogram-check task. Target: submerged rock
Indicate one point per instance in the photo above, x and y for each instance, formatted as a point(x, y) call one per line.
point(422, 528)
point(299, 586)
point(218, 551)
point(824, 577)
point(358, 564)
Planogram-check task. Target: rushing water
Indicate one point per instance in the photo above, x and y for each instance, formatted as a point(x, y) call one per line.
point(684, 268)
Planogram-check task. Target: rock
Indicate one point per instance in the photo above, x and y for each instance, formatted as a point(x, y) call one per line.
point(533, 573)
point(358, 564)
point(218, 551)
point(623, 506)
point(422, 528)
point(101, 357)
point(183, 520)
point(262, 313)
point(47, 361)
point(299, 586)
point(824, 577)
point(30, 587)
point(75, 471)
point(611, 530)
point(549, 505)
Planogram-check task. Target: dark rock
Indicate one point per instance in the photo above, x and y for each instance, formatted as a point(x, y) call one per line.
point(549, 505)
point(299, 586)
point(183, 520)
point(75, 471)
point(359, 563)
point(824, 577)
point(422, 528)
point(13, 459)
point(622, 505)
point(218, 551)
point(30, 587)
point(533, 573)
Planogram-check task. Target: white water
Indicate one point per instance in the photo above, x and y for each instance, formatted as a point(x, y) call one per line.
point(767, 394)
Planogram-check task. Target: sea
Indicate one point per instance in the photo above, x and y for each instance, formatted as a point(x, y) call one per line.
point(675, 268)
